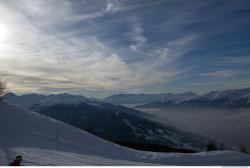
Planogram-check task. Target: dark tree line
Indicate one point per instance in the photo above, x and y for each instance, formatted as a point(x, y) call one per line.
point(89, 129)
point(212, 147)
point(243, 149)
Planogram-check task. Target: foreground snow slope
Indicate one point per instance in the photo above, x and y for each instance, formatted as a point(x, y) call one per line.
point(44, 141)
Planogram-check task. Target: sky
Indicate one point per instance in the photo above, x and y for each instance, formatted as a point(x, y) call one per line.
point(101, 47)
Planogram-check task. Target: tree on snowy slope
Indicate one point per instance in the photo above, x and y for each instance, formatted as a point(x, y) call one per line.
point(211, 146)
point(89, 129)
point(2, 88)
point(243, 149)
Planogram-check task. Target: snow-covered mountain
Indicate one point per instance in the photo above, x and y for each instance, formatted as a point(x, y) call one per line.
point(45, 141)
point(114, 122)
point(24, 100)
point(30, 100)
point(121, 125)
point(61, 99)
point(230, 99)
point(148, 98)
point(229, 94)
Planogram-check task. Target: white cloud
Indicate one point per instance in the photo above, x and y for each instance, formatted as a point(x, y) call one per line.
point(172, 50)
point(37, 56)
point(111, 6)
point(221, 73)
point(32, 52)
point(136, 35)
point(236, 60)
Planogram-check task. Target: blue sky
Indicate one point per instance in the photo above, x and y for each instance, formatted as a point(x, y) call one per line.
point(101, 47)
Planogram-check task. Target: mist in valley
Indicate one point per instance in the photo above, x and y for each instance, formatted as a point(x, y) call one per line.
point(224, 126)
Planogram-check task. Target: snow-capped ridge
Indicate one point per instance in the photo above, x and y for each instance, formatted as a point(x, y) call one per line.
point(62, 99)
point(230, 99)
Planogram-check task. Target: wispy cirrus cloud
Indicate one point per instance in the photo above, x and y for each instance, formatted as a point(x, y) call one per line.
point(38, 55)
point(221, 73)
point(117, 46)
point(136, 34)
point(237, 60)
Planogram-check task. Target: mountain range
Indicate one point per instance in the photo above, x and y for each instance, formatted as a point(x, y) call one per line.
point(43, 141)
point(227, 99)
point(116, 123)
point(148, 98)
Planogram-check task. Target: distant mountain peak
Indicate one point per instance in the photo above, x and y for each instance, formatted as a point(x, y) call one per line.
point(8, 95)
point(63, 98)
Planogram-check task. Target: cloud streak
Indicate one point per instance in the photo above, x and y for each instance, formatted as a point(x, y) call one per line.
point(112, 46)
point(39, 56)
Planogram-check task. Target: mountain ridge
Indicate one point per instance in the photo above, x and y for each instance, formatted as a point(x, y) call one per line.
point(114, 122)
point(231, 99)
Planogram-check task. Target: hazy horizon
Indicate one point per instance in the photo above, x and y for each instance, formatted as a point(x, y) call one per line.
point(100, 97)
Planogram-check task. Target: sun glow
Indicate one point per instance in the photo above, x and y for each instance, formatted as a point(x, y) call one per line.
point(4, 33)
